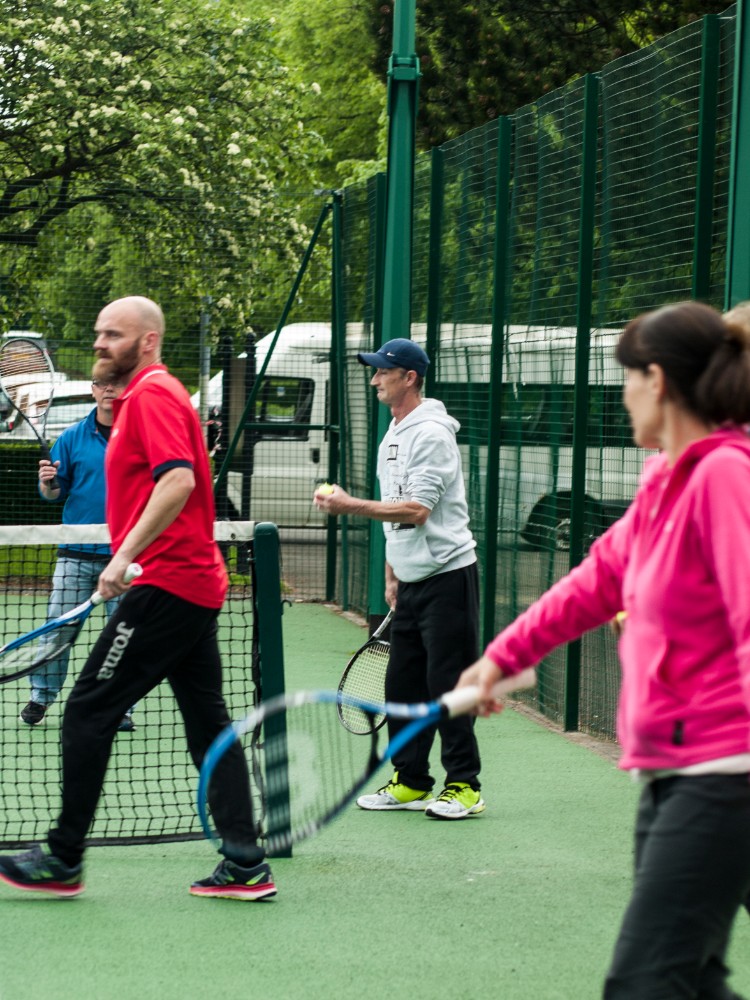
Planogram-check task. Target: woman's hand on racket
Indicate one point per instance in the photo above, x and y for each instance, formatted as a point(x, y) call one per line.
point(47, 473)
point(485, 673)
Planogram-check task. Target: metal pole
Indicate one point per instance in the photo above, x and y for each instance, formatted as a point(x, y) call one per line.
point(403, 80)
point(704, 186)
point(403, 87)
point(581, 391)
point(738, 242)
point(499, 314)
point(434, 276)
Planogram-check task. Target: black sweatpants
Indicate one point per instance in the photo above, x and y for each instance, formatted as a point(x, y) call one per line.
point(434, 637)
point(692, 873)
point(153, 635)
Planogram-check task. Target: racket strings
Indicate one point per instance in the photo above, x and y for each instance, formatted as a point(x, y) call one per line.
point(365, 679)
point(32, 654)
point(20, 361)
point(310, 766)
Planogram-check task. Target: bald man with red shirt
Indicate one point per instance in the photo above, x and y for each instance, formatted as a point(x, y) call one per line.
point(160, 511)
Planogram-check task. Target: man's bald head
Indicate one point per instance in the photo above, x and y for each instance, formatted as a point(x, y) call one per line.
point(129, 333)
point(148, 314)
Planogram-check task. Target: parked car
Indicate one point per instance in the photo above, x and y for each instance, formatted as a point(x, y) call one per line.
point(71, 401)
point(6, 413)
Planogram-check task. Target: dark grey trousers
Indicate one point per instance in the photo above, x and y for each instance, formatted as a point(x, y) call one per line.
point(692, 874)
point(434, 636)
point(153, 636)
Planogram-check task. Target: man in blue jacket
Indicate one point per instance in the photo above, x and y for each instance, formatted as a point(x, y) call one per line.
point(78, 466)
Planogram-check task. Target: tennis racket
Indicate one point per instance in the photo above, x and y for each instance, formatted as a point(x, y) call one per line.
point(48, 641)
point(364, 677)
point(311, 767)
point(23, 362)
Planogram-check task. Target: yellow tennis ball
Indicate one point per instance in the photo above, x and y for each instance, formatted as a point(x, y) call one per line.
point(325, 489)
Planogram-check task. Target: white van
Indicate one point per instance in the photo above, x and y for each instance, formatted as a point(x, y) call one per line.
point(536, 449)
point(289, 460)
point(535, 462)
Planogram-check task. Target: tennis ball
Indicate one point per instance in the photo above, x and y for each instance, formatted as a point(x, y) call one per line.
point(325, 489)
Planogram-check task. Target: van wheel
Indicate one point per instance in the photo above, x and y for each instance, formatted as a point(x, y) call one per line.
point(548, 526)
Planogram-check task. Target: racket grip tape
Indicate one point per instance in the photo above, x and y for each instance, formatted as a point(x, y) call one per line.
point(133, 571)
point(54, 483)
point(465, 699)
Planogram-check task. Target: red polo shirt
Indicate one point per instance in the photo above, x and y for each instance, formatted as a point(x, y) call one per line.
point(157, 429)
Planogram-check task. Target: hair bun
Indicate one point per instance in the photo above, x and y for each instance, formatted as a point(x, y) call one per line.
point(736, 334)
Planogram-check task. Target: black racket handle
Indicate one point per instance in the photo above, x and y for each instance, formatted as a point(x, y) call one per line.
point(54, 484)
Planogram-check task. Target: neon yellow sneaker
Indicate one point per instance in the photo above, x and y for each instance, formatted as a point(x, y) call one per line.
point(395, 795)
point(456, 801)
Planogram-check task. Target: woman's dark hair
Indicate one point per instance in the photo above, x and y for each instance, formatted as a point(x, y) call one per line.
point(705, 359)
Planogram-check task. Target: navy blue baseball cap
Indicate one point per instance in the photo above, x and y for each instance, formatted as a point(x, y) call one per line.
point(399, 353)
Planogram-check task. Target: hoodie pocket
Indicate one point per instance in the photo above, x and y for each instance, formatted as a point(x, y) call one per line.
point(409, 554)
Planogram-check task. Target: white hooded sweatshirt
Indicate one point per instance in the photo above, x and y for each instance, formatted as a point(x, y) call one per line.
point(419, 460)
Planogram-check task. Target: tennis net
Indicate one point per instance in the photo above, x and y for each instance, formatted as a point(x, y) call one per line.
point(149, 792)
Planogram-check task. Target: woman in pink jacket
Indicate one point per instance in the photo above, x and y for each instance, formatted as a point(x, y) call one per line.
point(678, 563)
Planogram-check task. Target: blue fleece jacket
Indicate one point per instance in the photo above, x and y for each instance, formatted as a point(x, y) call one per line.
point(80, 451)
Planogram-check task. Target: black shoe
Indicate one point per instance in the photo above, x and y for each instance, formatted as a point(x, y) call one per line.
point(33, 713)
point(36, 871)
point(126, 724)
point(233, 882)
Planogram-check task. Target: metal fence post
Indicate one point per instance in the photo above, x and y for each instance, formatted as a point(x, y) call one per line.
point(376, 608)
point(584, 296)
point(268, 600)
point(434, 272)
point(704, 187)
point(337, 465)
point(500, 286)
point(738, 241)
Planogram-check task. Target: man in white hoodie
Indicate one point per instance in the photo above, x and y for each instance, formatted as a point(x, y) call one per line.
point(430, 579)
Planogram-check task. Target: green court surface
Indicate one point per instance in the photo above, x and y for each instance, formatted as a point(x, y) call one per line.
point(521, 903)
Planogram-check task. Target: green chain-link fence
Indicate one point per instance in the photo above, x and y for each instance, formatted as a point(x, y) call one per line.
point(535, 239)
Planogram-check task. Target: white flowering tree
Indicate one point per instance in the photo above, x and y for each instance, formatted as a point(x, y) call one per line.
point(156, 143)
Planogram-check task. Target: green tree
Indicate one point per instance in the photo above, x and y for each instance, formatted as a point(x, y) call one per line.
point(329, 53)
point(484, 58)
point(176, 118)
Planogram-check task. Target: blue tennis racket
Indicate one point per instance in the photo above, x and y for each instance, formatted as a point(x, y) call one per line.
point(309, 766)
point(23, 655)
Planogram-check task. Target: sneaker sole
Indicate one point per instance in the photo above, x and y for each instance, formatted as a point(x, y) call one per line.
point(37, 723)
point(418, 805)
point(476, 810)
point(234, 891)
point(49, 889)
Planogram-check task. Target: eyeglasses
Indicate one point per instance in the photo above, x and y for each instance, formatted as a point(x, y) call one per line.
point(102, 384)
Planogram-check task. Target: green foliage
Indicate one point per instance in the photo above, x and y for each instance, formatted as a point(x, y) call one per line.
point(328, 52)
point(143, 143)
point(484, 58)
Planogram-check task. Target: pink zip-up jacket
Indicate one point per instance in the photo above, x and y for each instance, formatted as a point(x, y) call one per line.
point(678, 562)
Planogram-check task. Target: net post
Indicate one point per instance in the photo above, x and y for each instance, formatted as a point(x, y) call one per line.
point(268, 599)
